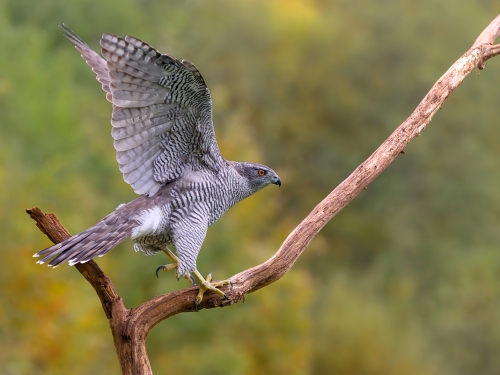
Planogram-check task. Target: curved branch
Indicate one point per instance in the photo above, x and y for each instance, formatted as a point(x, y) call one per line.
point(273, 269)
point(130, 327)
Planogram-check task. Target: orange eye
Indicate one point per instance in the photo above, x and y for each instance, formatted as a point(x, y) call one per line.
point(262, 172)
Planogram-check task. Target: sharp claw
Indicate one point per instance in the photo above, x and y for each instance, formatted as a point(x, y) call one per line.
point(158, 269)
point(192, 280)
point(207, 285)
point(167, 267)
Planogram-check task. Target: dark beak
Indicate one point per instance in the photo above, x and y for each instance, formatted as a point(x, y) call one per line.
point(277, 181)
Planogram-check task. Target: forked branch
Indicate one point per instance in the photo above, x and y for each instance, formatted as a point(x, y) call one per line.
point(130, 327)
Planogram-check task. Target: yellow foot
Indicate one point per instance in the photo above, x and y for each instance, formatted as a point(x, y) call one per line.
point(174, 264)
point(206, 284)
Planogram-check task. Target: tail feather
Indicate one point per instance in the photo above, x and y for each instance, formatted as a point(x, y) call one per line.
point(73, 248)
point(122, 232)
point(95, 241)
point(106, 234)
point(73, 243)
point(101, 246)
point(83, 252)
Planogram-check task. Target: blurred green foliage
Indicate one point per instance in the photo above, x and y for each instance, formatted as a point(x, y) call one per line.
point(405, 280)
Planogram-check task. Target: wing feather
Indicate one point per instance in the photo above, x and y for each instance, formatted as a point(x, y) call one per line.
point(153, 152)
point(162, 111)
point(136, 88)
point(138, 173)
point(125, 157)
point(97, 63)
point(131, 75)
point(123, 117)
point(162, 123)
point(149, 186)
point(122, 54)
point(135, 140)
point(143, 180)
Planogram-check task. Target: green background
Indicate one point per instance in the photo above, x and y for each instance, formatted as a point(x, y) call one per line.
point(405, 280)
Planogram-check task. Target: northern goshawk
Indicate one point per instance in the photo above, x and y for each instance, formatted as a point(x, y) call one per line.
point(166, 149)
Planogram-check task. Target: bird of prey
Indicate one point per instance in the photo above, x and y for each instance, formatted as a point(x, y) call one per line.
point(166, 149)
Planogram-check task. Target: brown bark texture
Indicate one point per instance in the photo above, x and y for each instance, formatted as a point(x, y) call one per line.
point(130, 327)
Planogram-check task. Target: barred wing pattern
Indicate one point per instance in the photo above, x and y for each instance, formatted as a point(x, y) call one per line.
point(162, 112)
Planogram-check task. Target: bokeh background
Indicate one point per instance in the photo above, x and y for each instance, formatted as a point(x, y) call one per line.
point(405, 280)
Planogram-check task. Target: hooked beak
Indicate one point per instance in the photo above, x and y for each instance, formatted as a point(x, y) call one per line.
point(277, 181)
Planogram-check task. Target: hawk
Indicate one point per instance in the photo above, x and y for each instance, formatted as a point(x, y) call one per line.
point(166, 149)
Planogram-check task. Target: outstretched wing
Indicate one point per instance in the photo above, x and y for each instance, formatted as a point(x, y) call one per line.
point(162, 111)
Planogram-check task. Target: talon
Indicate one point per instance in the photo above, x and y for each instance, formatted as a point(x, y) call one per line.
point(191, 279)
point(158, 269)
point(166, 268)
point(171, 266)
point(207, 284)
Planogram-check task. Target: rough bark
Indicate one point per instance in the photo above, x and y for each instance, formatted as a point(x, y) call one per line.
point(131, 326)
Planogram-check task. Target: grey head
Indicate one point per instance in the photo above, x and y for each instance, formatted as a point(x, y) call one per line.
point(258, 176)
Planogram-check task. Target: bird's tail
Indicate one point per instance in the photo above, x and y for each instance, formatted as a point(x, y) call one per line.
point(93, 242)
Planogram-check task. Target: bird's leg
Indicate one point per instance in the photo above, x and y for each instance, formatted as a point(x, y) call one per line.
point(207, 284)
point(171, 255)
point(171, 266)
point(174, 264)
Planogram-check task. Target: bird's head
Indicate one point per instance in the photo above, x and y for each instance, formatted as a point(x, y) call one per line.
point(257, 175)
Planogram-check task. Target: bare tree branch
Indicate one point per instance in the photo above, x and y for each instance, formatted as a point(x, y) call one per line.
point(130, 327)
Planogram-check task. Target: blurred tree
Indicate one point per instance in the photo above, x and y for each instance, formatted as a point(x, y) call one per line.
point(403, 280)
